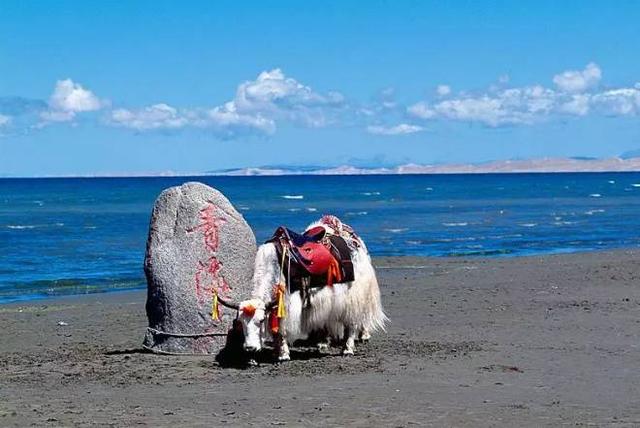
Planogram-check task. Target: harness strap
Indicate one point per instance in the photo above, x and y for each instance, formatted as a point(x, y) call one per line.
point(285, 250)
point(280, 310)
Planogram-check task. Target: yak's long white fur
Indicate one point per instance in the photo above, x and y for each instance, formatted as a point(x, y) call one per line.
point(355, 305)
point(266, 272)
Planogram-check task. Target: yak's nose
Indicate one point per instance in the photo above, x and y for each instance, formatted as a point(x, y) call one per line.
point(250, 348)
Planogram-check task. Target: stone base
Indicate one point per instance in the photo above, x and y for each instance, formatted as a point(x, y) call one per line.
point(184, 344)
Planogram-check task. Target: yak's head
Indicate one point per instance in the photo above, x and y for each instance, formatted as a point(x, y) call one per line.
point(252, 314)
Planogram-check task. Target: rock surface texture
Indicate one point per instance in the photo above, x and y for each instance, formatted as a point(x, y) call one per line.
point(198, 244)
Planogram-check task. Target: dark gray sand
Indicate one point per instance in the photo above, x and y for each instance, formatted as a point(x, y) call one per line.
point(536, 341)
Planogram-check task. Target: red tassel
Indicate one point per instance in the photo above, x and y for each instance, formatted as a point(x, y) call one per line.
point(274, 322)
point(333, 274)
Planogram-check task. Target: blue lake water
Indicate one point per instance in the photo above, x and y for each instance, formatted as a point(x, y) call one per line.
point(74, 236)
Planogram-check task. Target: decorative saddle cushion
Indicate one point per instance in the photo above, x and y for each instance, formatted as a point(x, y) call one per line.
point(315, 256)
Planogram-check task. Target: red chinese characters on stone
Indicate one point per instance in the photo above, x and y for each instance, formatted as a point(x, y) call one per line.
point(209, 225)
point(207, 276)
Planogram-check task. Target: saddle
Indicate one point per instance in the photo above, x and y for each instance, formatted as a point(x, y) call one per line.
point(312, 259)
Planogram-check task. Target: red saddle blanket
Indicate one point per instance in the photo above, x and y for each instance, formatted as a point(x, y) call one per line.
point(314, 257)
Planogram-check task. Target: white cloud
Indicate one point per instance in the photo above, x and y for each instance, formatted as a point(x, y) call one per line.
point(277, 96)
point(506, 107)
point(578, 81)
point(578, 105)
point(157, 116)
point(4, 120)
point(256, 108)
point(485, 109)
point(443, 90)
point(575, 96)
point(421, 110)
point(224, 120)
point(618, 102)
point(227, 119)
point(272, 89)
point(259, 106)
point(401, 129)
point(68, 99)
point(72, 97)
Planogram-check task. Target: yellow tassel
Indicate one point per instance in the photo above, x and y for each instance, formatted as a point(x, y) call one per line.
point(281, 307)
point(215, 310)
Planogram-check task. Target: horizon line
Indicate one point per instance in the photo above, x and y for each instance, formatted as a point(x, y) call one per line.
point(508, 166)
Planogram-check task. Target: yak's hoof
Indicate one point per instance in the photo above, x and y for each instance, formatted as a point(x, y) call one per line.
point(347, 352)
point(365, 337)
point(252, 362)
point(282, 358)
point(323, 346)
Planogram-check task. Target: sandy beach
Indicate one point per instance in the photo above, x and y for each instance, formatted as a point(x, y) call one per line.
point(531, 341)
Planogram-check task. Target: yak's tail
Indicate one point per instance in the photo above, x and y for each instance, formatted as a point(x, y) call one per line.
point(365, 305)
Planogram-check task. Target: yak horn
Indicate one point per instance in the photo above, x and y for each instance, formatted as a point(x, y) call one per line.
point(233, 306)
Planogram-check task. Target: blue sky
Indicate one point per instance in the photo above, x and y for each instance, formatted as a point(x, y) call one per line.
point(147, 87)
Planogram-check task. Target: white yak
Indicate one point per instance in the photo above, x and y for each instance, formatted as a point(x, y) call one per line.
point(342, 310)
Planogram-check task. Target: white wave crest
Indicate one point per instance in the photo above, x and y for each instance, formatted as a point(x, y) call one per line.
point(592, 212)
point(460, 224)
point(32, 226)
point(292, 196)
point(398, 230)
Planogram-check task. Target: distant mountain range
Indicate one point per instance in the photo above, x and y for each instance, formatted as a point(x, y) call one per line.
point(629, 161)
point(578, 164)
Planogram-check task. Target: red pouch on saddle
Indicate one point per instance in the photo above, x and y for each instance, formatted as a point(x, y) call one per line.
point(315, 257)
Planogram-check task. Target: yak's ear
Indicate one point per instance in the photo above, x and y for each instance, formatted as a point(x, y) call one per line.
point(248, 310)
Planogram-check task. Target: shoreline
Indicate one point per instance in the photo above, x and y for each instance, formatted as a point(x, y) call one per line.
point(530, 341)
point(378, 261)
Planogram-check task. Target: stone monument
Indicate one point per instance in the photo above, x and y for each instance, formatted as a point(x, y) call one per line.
point(198, 245)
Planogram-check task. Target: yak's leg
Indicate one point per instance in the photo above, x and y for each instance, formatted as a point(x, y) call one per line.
point(320, 338)
point(350, 340)
point(324, 340)
point(365, 335)
point(282, 348)
point(323, 345)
